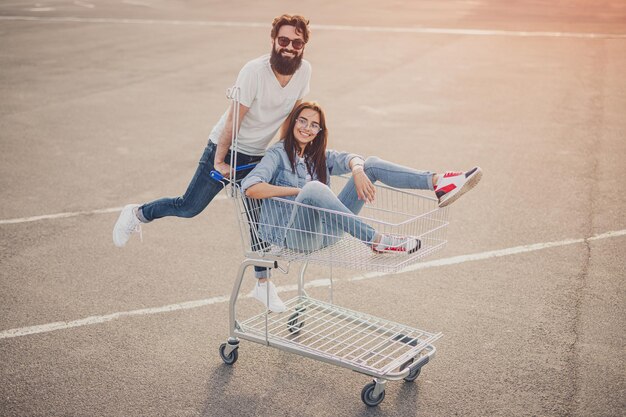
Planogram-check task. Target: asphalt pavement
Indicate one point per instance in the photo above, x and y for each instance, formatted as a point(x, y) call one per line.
point(105, 103)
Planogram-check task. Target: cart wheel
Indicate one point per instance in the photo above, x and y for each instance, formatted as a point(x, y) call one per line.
point(228, 359)
point(412, 376)
point(292, 324)
point(367, 395)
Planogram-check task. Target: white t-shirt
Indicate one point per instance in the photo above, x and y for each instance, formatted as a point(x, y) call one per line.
point(269, 104)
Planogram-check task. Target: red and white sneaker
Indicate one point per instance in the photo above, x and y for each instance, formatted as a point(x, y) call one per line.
point(389, 243)
point(453, 185)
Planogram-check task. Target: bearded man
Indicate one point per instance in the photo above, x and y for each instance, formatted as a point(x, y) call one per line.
point(270, 86)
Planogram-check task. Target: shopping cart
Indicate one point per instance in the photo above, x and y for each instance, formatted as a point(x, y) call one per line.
point(379, 348)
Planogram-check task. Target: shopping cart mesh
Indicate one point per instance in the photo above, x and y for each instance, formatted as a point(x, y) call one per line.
point(282, 229)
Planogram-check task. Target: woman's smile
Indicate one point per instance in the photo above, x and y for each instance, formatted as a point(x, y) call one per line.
point(307, 127)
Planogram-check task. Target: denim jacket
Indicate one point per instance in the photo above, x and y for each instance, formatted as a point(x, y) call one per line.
point(275, 169)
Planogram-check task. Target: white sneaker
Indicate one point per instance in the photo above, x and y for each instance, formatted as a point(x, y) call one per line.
point(276, 305)
point(389, 243)
point(126, 225)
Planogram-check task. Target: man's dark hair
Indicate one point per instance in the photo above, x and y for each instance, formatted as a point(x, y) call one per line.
point(299, 22)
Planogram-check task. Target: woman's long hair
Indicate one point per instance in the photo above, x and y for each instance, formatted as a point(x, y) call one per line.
point(315, 151)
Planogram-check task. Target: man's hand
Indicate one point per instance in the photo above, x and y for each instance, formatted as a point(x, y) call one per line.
point(223, 168)
point(364, 187)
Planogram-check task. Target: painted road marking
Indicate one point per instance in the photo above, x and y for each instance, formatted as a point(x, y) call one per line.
point(74, 214)
point(188, 305)
point(377, 29)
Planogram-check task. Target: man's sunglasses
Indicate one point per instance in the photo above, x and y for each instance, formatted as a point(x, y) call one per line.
point(284, 42)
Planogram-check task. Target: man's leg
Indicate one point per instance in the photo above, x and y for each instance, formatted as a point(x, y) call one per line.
point(201, 190)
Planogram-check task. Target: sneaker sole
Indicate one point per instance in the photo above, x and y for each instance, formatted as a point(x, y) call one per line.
point(471, 183)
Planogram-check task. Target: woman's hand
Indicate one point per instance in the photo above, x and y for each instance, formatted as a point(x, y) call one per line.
point(364, 187)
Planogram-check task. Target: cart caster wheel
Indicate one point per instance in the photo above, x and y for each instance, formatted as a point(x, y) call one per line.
point(412, 376)
point(228, 359)
point(367, 395)
point(292, 324)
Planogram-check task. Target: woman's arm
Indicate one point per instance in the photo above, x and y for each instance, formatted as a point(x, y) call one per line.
point(265, 190)
point(343, 163)
point(264, 171)
point(355, 163)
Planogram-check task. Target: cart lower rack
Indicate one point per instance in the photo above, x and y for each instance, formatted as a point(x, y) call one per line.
point(357, 341)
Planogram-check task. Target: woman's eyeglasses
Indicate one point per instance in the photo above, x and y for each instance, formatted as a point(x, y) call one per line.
point(303, 123)
point(285, 41)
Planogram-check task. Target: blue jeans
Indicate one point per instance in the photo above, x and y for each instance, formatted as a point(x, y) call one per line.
point(200, 191)
point(311, 229)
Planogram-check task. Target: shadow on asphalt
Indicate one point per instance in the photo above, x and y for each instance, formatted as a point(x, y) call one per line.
point(224, 399)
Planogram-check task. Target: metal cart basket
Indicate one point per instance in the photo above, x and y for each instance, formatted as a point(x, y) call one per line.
point(320, 330)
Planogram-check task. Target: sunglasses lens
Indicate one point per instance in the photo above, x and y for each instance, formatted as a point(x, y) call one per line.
point(284, 42)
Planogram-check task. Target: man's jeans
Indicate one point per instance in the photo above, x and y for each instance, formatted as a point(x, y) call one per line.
point(201, 190)
point(311, 229)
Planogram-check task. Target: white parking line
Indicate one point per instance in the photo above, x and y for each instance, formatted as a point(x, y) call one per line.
point(59, 215)
point(419, 30)
point(73, 214)
point(188, 305)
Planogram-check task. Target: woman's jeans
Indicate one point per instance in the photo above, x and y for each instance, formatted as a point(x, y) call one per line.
point(201, 190)
point(311, 229)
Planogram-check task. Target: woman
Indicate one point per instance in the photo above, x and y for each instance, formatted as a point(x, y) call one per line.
point(299, 168)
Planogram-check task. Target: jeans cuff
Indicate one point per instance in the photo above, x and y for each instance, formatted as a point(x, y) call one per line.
point(141, 217)
point(265, 273)
point(431, 186)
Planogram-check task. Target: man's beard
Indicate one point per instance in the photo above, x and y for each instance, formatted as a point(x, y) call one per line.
point(285, 65)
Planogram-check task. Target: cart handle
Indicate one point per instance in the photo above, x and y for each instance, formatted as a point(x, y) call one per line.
point(217, 176)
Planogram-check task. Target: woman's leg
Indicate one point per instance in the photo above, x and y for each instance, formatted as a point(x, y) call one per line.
point(448, 187)
point(388, 173)
point(318, 224)
point(305, 232)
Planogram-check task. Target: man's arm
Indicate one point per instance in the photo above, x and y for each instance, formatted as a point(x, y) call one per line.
point(226, 140)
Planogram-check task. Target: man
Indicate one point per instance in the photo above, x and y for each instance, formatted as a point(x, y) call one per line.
point(271, 86)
